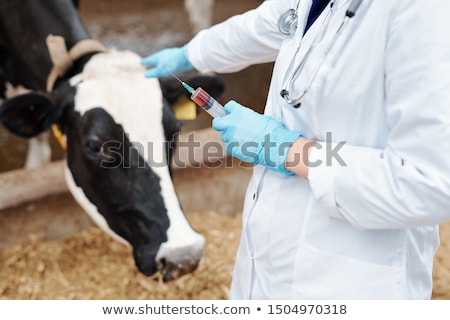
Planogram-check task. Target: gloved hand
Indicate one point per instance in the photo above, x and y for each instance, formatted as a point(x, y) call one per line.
point(166, 61)
point(255, 138)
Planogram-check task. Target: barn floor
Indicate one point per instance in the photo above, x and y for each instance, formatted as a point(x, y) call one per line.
point(43, 253)
point(88, 265)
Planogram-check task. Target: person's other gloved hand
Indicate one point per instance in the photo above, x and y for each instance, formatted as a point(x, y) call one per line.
point(166, 61)
point(255, 138)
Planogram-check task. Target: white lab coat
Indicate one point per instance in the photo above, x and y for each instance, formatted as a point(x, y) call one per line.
point(366, 228)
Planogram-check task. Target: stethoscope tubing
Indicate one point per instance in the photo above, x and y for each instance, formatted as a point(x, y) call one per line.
point(350, 13)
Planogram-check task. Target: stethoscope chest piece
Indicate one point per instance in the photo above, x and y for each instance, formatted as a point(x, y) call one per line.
point(287, 23)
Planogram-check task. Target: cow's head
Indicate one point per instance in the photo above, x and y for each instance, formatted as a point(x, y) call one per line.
point(118, 128)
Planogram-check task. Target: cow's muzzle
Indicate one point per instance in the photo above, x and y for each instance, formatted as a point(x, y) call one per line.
point(171, 270)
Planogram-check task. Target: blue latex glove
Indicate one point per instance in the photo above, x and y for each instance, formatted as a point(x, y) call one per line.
point(255, 138)
point(166, 61)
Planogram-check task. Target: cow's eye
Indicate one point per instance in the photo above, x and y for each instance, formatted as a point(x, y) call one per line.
point(94, 145)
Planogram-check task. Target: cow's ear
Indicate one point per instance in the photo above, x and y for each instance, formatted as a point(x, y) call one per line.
point(172, 89)
point(29, 114)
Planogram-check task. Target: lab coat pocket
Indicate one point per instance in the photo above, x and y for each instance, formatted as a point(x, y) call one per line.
point(325, 275)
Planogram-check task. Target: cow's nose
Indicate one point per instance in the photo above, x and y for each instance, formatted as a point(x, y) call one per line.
point(182, 260)
point(171, 271)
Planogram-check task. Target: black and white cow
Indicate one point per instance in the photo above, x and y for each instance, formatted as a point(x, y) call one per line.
point(118, 126)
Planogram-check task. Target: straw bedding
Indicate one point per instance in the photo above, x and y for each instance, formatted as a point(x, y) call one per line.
point(89, 265)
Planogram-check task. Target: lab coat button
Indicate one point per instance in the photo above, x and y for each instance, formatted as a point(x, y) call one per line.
point(255, 196)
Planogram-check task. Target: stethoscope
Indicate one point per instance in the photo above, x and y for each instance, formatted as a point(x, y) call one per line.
point(287, 25)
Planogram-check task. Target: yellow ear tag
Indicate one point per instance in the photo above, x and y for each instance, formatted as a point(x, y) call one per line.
point(59, 136)
point(185, 109)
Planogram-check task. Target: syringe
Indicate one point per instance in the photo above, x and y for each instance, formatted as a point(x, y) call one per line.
point(204, 100)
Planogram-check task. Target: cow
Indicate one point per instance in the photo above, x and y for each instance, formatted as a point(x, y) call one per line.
point(117, 125)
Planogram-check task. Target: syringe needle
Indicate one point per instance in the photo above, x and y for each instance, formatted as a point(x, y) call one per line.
point(175, 76)
point(184, 84)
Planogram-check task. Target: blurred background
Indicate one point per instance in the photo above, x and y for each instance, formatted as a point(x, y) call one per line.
point(146, 26)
